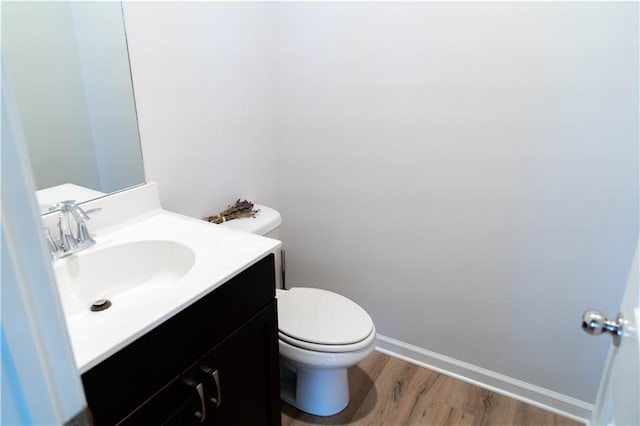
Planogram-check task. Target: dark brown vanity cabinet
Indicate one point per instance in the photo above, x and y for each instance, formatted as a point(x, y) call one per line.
point(216, 362)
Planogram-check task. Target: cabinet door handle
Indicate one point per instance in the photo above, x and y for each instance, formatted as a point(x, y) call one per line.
point(217, 399)
point(202, 414)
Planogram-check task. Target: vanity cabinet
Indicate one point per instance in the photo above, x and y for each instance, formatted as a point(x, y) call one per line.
point(215, 362)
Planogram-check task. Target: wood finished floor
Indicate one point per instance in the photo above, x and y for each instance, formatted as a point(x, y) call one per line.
point(387, 391)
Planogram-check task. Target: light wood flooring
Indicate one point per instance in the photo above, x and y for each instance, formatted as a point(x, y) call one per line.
point(387, 391)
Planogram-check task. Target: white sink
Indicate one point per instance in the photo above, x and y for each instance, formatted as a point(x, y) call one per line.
point(128, 270)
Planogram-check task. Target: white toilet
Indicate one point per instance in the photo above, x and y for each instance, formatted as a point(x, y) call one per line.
point(321, 334)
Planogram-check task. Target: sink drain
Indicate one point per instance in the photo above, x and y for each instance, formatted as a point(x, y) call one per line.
point(100, 305)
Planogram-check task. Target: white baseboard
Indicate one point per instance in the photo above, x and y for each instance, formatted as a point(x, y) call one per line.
point(513, 388)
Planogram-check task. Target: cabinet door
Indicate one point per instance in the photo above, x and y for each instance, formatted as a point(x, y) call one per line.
point(241, 375)
point(177, 404)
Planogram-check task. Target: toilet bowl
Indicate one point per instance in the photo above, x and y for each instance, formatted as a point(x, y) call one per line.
point(321, 334)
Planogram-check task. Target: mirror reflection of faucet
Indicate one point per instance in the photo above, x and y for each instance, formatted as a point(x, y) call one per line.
point(67, 242)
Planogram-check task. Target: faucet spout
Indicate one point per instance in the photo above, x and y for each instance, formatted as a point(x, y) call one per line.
point(81, 217)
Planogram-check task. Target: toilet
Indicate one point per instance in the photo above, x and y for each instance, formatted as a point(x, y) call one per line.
point(321, 334)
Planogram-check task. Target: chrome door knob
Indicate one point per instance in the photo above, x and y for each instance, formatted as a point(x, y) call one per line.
point(595, 323)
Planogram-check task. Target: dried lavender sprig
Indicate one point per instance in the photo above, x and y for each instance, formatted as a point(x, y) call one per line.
point(237, 210)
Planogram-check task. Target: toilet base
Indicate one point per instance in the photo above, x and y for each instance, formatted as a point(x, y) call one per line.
point(317, 391)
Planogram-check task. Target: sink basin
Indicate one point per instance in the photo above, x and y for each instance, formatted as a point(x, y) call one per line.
point(143, 267)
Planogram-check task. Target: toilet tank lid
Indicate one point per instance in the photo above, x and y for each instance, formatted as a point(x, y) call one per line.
point(266, 220)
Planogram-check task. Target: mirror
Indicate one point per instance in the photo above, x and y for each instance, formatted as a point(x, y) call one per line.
point(69, 67)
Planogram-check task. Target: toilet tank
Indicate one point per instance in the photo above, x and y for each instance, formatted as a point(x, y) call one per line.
point(266, 223)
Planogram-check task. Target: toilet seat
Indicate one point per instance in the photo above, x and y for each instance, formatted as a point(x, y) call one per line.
point(328, 348)
point(320, 320)
point(316, 359)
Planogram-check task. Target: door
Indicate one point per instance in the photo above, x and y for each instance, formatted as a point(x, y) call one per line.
point(241, 375)
point(618, 401)
point(40, 383)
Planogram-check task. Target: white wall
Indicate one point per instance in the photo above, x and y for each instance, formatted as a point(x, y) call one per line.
point(201, 75)
point(470, 171)
point(467, 172)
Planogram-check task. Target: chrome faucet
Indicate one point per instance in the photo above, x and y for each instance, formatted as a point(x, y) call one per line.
point(68, 243)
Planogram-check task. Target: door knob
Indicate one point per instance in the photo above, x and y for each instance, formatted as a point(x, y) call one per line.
point(595, 323)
